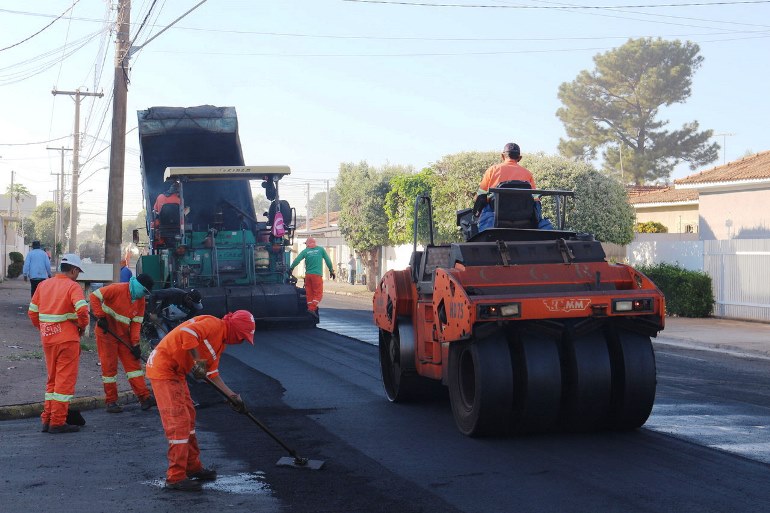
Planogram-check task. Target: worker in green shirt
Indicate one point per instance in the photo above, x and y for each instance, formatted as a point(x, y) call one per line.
point(314, 286)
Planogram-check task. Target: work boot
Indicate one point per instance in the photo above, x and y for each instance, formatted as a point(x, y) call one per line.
point(64, 428)
point(147, 403)
point(204, 474)
point(114, 408)
point(185, 485)
point(45, 427)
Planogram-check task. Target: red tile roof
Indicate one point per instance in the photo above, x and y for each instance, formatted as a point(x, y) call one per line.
point(666, 195)
point(754, 167)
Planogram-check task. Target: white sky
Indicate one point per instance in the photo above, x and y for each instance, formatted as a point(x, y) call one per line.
point(319, 82)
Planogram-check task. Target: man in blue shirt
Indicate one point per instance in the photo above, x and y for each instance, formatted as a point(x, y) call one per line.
point(125, 272)
point(37, 266)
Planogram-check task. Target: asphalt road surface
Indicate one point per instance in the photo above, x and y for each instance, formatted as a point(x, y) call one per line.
point(321, 392)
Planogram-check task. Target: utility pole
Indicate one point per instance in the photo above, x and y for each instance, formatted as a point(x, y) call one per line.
point(114, 236)
point(307, 210)
point(77, 93)
point(327, 204)
point(59, 228)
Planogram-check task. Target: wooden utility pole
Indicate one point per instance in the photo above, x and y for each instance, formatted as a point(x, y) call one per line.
point(73, 241)
point(114, 236)
point(59, 228)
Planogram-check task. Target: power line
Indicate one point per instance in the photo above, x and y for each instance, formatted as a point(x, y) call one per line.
point(32, 143)
point(597, 7)
point(42, 29)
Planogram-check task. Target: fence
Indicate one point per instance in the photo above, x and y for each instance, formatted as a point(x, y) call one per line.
point(740, 271)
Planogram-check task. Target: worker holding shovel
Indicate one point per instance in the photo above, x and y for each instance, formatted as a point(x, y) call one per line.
point(119, 310)
point(194, 346)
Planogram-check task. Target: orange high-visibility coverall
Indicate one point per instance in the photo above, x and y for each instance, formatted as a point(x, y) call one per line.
point(60, 311)
point(166, 368)
point(124, 318)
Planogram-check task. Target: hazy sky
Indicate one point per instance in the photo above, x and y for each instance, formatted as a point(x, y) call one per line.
point(319, 82)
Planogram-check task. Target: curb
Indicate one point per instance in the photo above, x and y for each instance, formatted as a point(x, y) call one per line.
point(24, 411)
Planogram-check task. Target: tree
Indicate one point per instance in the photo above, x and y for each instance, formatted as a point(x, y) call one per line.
point(363, 222)
point(318, 202)
point(457, 178)
point(600, 205)
point(138, 223)
point(615, 107)
point(261, 205)
point(44, 218)
point(650, 227)
point(399, 206)
point(16, 192)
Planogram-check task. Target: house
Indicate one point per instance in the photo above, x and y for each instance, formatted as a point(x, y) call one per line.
point(733, 198)
point(674, 208)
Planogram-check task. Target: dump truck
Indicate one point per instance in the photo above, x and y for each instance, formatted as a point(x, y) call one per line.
point(531, 330)
point(211, 238)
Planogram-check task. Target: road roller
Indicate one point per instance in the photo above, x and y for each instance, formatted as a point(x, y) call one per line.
point(530, 329)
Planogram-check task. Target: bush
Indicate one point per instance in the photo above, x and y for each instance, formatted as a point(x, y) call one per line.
point(688, 293)
point(14, 269)
point(15, 257)
point(650, 227)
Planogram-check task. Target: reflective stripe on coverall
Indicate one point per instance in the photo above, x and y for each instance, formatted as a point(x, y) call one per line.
point(59, 310)
point(124, 318)
point(166, 368)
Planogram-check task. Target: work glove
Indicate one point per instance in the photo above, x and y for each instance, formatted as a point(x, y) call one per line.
point(136, 351)
point(333, 276)
point(199, 369)
point(102, 323)
point(237, 404)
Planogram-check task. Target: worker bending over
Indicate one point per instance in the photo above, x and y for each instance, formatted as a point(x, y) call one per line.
point(119, 308)
point(314, 258)
point(195, 345)
point(60, 311)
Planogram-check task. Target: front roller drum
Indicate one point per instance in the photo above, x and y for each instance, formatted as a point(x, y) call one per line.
point(481, 385)
point(399, 377)
point(537, 384)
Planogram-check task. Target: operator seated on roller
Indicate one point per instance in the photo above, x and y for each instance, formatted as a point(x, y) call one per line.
point(507, 170)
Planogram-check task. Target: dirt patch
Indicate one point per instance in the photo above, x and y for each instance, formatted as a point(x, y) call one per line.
point(22, 365)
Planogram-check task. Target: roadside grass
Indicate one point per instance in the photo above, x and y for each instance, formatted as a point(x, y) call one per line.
point(28, 355)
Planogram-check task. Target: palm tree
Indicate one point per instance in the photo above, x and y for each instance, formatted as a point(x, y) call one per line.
point(16, 192)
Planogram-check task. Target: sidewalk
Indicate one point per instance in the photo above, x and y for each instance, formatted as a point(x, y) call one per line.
point(22, 366)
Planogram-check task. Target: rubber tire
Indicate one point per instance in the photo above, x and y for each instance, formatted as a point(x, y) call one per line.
point(587, 381)
point(480, 380)
point(634, 379)
point(537, 388)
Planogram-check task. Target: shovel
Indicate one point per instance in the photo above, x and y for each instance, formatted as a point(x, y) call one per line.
point(294, 460)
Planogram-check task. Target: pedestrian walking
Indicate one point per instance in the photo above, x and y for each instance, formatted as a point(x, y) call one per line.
point(37, 266)
point(60, 311)
point(119, 308)
point(314, 258)
point(194, 346)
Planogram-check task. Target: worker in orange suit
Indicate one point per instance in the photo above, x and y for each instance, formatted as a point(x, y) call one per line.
point(195, 345)
point(60, 311)
point(171, 195)
point(119, 308)
point(314, 258)
point(508, 169)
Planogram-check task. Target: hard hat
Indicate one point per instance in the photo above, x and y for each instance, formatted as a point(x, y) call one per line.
point(71, 259)
point(310, 242)
point(240, 327)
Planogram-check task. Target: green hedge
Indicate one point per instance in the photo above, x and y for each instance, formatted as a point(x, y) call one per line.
point(15, 256)
point(688, 293)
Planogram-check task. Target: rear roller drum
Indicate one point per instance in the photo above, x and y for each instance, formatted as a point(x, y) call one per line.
point(537, 384)
point(587, 381)
point(481, 385)
point(633, 379)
